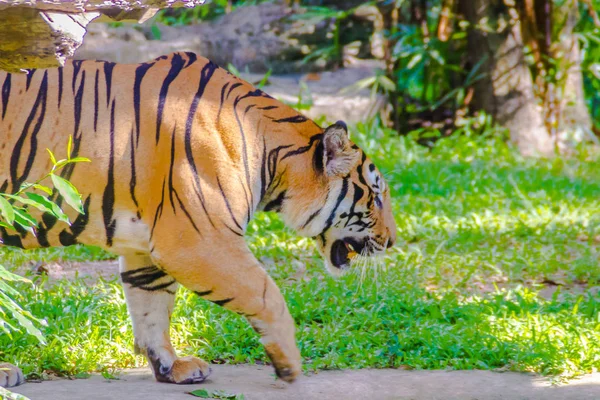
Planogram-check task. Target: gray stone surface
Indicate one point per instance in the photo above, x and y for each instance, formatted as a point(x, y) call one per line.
point(332, 94)
point(257, 382)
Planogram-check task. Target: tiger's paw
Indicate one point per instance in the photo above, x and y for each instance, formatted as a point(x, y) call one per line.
point(10, 375)
point(288, 374)
point(185, 370)
point(286, 368)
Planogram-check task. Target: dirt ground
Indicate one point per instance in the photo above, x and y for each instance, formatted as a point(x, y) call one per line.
point(89, 271)
point(258, 382)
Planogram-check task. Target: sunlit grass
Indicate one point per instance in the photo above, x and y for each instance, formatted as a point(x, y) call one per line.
point(484, 237)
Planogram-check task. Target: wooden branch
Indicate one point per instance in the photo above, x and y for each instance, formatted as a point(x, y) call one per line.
point(44, 33)
point(80, 6)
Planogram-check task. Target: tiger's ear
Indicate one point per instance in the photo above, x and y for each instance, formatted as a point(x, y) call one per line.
point(339, 155)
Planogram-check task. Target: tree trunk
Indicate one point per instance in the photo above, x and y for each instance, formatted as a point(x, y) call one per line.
point(541, 104)
point(506, 90)
point(33, 39)
point(573, 120)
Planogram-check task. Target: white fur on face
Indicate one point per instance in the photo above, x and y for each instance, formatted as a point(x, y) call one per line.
point(376, 182)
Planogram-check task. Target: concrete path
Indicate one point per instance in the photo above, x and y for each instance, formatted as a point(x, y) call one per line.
point(257, 382)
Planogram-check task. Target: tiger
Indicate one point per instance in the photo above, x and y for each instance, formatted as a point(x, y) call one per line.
point(183, 154)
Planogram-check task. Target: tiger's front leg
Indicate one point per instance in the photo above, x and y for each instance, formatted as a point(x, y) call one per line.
point(227, 273)
point(150, 295)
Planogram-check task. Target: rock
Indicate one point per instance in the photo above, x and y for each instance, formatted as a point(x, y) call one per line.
point(126, 44)
point(253, 38)
point(328, 94)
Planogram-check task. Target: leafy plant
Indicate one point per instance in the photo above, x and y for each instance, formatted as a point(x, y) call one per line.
point(8, 395)
point(332, 52)
point(210, 10)
point(259, 84)
point(305, 100)
point(10, 308)
point(588, 33)
point(15, 213)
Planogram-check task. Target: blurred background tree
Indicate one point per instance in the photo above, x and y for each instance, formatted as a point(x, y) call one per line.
point(533, 66)
point(531, 58)
point(519, 61)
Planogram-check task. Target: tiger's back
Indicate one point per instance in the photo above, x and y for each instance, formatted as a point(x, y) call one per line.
point(126, 119)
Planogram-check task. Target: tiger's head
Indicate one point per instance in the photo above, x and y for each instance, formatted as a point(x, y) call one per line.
point(348, 211)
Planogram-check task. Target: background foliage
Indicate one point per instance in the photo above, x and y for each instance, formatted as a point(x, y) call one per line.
point(427, 66)
point(16, 218)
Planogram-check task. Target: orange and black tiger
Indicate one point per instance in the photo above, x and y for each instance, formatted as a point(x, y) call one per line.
point(183, 154)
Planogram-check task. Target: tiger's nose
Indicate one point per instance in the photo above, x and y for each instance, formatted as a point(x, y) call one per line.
point(391, 238)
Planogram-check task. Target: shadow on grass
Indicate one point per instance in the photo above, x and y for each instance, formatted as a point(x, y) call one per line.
point(402, 325)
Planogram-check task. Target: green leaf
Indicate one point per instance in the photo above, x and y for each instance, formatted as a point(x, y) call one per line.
point(6, 289)
point(24, 186)
point(28, 185)
point(79, 159)
point(52, 158)
point(39, 204)
point(25, 220)
point(202, 393)
point(231, 68)
point(25, 321)
point(6, 328)
point(7, 226)
point(68, 192)
point(69, 147)
point(156, 33)
point(23, 317)
point(8, 395)
point(216, 394)
point(43, 188)
point(264, 79)
point(46, 205)
point(6, 209)
point(437, 57)
point(359, 85)
point(6, 275)
point(414, 61)
point(387, 83)
point(61, 163)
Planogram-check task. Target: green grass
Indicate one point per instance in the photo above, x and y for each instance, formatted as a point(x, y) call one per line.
point(481, 232)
